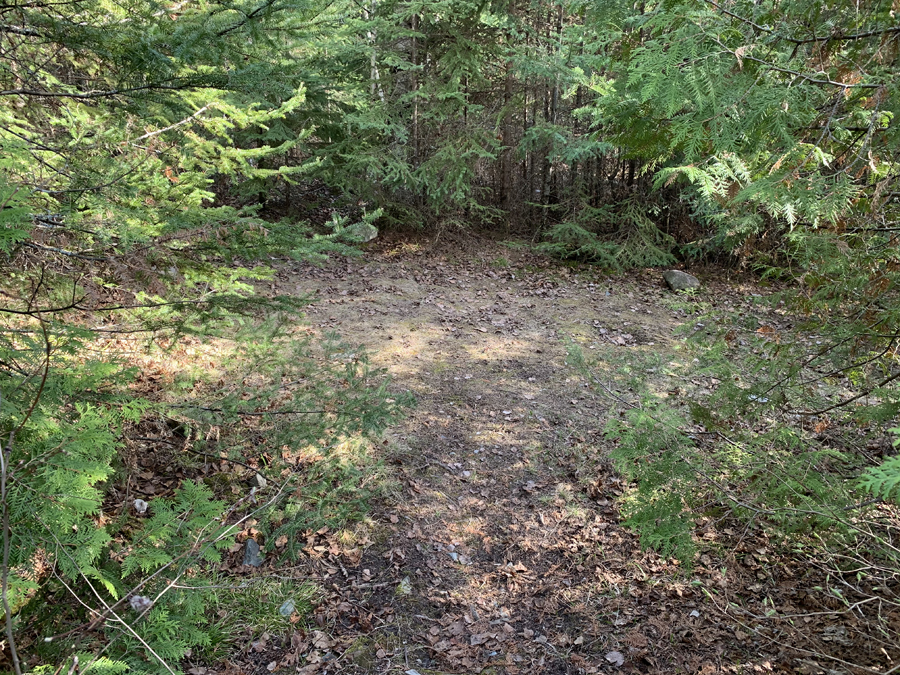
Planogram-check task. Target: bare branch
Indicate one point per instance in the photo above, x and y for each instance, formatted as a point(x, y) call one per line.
point(860, 395)
point(172, 126)
point(94, 95)
point(839, 37)
point(19, 30)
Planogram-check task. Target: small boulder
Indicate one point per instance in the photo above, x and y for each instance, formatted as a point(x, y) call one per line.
point(362, 232)
point(680, 281)
point(252, 555)
point(140, 603)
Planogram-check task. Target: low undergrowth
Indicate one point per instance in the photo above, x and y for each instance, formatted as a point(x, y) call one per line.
point(135, 471)
point(740, 428)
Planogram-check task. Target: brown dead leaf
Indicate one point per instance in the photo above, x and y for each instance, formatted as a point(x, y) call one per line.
point(481, 638)
point(320, 640)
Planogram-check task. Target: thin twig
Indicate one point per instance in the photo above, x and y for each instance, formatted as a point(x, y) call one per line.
point(196, 550)
point(172, 126)
point(852, 399)
point(5, 456)
point(188, 448)
point(264, 413)
point(802, 41)
point(93, 95)
point(4, 582)
point(793, 646)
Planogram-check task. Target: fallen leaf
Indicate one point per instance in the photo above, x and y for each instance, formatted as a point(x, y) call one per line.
point(320, 640)
point(481, 638)
point(615, 658)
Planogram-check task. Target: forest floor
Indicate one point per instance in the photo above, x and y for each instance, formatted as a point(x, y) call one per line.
point(501, 548)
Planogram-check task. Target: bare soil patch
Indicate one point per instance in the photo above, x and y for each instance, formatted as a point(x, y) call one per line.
point(503, 551)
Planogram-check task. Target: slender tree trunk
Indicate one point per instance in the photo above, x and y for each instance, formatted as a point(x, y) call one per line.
point(415, 88)
point(554, 98)
point(533, 154)
point(524, 133)
point(506, 132)
point(506, 140)
point(374, 80)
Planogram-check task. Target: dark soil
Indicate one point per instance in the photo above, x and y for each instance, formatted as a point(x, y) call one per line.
point(502, 550)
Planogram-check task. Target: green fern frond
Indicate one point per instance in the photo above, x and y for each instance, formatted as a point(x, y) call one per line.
point(883, 481)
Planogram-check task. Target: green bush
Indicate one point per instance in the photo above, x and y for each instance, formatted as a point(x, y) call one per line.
point(616, 237)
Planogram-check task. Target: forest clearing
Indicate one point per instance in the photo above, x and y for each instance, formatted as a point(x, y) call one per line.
point(441, 336)
point(500, 547)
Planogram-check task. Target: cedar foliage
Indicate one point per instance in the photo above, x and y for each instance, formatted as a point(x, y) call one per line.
point(148, 149)
point(136, 138)
point(778, 121)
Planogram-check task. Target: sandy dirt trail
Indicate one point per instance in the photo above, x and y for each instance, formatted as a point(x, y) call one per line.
point(503, 551)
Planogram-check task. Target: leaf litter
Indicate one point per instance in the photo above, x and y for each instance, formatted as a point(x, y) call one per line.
point(502, 549)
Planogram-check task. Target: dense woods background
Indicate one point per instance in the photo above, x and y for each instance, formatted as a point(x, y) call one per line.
point(157, 157)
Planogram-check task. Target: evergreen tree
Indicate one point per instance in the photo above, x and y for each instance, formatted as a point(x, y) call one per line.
point(137, 138)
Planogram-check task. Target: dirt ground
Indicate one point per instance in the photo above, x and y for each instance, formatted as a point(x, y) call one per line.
point(503, 550)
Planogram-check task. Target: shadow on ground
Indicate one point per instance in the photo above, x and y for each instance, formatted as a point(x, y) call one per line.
point(502, 550)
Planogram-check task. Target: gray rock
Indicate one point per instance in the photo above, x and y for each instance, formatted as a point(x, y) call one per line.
point(287, 608)
point(680, 281)
point(140, 603)
point(252, 556)
point(362, 232)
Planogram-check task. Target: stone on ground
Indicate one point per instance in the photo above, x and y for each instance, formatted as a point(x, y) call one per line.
point(252, 555)
point(680, 281)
